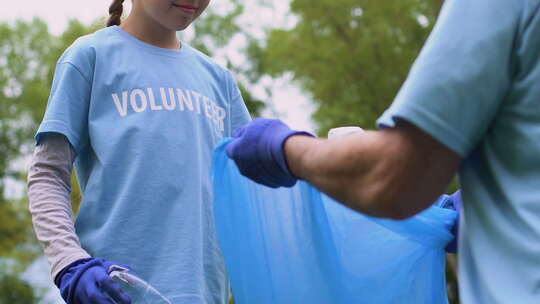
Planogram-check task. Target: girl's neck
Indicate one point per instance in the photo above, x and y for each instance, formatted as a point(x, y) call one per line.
point(148, 30)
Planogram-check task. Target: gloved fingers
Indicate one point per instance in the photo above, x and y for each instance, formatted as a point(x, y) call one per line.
point(258, 152)
point(112, 288)
point(457, 200)
point(232, 145)
point(91, 292)
point(97, 297)
point(259, 179)
point(230, 148)
point(239, 132)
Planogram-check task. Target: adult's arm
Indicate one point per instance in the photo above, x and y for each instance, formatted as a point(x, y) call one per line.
point(443, 112)
point(395, 172)
point(49, 187)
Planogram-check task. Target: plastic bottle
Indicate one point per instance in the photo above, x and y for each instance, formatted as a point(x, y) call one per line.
point(137, 288)
point(343, 131)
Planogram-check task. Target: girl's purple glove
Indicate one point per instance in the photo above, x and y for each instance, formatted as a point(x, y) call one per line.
point(87, 281)
point(257, 150)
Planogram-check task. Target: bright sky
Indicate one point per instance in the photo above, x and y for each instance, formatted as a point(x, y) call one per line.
point(288, 103)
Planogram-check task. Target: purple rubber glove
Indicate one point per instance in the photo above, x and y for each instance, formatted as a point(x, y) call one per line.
point(258, 152)
point(87, 281)
point(454, 202)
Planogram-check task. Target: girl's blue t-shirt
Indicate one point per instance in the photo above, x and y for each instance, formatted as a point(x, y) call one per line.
point(144, 121)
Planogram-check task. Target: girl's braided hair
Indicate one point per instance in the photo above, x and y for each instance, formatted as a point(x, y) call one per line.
point(115, 12)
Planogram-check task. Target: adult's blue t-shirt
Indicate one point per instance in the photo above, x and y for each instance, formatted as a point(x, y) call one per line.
point(143, 121)
point(476, 88)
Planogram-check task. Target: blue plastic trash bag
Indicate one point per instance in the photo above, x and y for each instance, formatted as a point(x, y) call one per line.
point(299, 246)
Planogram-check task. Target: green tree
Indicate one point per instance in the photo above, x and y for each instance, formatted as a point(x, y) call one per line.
point(351, 56)
point(214, 32)
point(28, 53)
point(14, 290)
point(22, 81)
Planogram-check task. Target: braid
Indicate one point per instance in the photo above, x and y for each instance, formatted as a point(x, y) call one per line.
point(115, 11)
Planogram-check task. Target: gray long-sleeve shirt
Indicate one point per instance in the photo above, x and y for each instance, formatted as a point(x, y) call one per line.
point(49, 188)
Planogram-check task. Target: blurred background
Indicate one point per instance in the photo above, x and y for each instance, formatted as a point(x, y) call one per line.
point(315, 64)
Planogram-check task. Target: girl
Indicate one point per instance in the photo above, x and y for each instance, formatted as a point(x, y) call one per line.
point(139, 113)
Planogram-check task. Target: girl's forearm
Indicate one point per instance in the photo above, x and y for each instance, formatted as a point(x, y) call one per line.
point(49, 187)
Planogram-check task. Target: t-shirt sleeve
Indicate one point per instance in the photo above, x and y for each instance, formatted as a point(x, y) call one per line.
point(460, 79)
point(239, 114)
point(68, 105)
point(49, 187)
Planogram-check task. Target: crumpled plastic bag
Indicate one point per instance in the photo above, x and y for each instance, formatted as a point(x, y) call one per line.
point(296, 245)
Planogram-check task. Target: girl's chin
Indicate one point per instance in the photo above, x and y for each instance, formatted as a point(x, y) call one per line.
point(178, 26)
point(181, 27)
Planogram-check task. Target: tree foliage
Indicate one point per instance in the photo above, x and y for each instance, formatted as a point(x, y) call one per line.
point(28, 54)
point(351, 56)
point(22, 81)
point(14, 290)
point(213, 32)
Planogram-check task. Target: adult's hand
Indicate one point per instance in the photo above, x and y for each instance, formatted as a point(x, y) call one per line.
point(455, 202)
point(257, 150)
point(87, 281)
